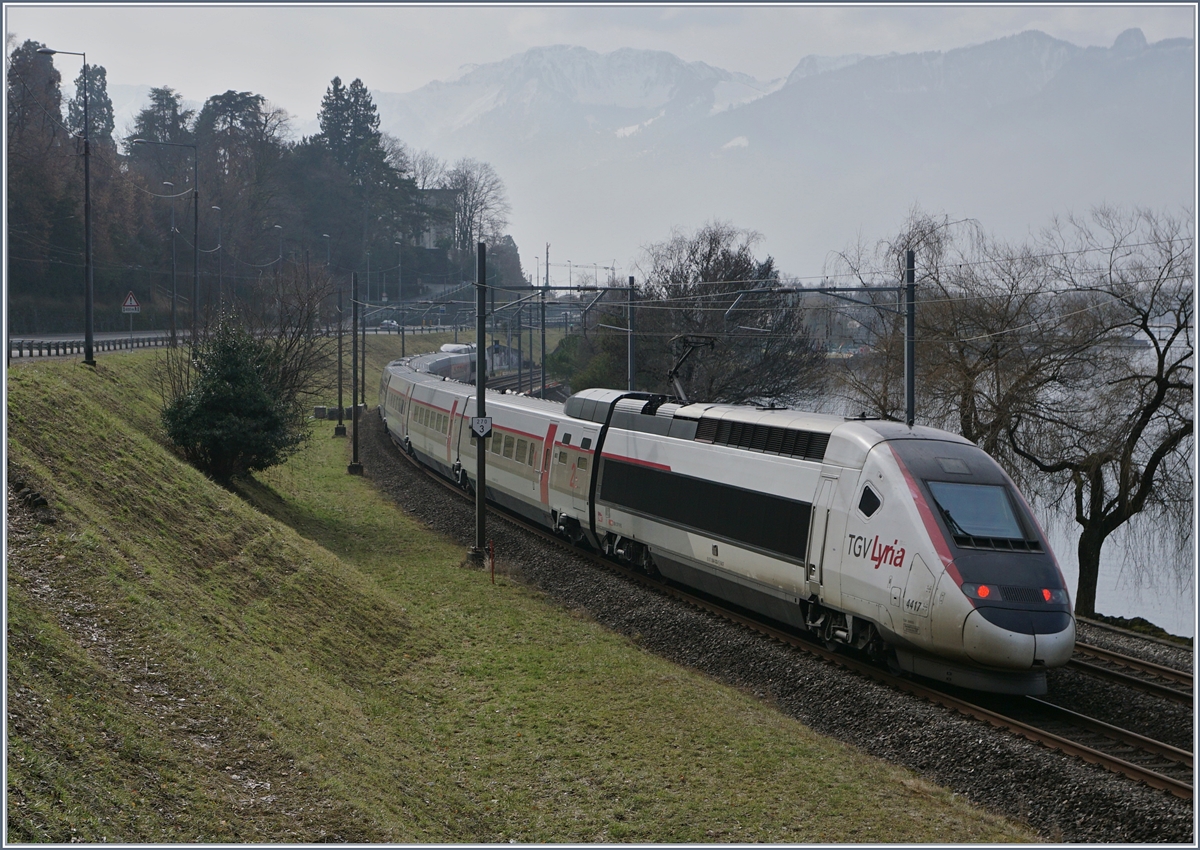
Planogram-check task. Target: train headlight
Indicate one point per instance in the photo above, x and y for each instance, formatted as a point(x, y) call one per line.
point(1014, 594)
point(978, 591)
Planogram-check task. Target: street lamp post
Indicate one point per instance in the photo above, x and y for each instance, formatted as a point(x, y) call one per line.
point(88, 287)
point(339, 429)
point(195, 230)
point(400, 273)
point(174, 287)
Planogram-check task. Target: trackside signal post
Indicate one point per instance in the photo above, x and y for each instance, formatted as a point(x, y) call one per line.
point(481, 425)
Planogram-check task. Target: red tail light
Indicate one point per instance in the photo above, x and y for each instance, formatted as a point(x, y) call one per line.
point(984, 591)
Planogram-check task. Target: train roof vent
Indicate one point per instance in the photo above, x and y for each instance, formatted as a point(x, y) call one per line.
point(817, 443)
point(770, 439)
point(667, 410)
point(631, 405)
point(593, 404)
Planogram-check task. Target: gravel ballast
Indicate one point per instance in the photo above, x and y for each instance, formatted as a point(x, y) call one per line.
point(1061, 797)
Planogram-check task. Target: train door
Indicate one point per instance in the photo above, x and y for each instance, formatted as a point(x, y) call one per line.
point(818, 529)
point(384, 398)
point(918, 599)
point(581, 475)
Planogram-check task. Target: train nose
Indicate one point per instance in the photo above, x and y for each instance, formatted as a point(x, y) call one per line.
point(1001, 637)
point(995, 646)
point(1054, 650)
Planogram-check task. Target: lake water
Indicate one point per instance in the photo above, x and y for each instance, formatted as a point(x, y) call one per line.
point(1164, 595)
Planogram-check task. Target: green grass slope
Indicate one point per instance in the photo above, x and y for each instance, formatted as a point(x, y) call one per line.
point(298, 661)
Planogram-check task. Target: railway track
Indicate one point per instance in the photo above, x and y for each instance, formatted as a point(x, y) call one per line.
point(1145, 676)
point(523, 381)
point(1121, 751)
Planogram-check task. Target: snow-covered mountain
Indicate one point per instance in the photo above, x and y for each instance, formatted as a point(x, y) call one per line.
point(604, 153)
point(569, 98)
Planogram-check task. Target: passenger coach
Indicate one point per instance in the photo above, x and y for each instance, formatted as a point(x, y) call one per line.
point(908, 543)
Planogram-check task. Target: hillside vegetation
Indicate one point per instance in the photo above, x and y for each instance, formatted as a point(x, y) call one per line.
point(297, 661)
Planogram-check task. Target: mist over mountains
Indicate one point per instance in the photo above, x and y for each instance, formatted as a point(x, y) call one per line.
point(604, 153)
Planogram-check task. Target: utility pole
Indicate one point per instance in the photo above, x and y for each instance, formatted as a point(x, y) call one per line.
point(545, 283)
point(340, 429)
point(476, 553)
point(355, 468)
point(910, 339)
point(363, 371)
point(631, 363)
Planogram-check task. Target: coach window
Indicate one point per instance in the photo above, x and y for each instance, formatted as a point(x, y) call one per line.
point(562, 458)
point(497, 443)
point(869, 502)
point(521, 446)
point(508, 445)
point(566, 439)
point(586, 444)
point(582, 464)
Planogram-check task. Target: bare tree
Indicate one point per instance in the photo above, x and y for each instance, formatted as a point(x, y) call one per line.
point(709, 283)
point(481, 202)
point(396, 154)
point(1069, 360)
point(1119, 442)
point(427, 170)
point(287, 317)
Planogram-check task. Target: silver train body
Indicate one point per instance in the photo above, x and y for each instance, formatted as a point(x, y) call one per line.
point(910, 543)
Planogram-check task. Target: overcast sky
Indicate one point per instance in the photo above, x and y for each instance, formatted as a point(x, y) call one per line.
point(290, 53)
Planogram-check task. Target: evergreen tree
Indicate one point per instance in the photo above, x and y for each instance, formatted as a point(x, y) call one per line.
point(334, 119)
point(100, 108)
point(34, 101)
point(42, 202)
point(236, 417)
point(163, 120)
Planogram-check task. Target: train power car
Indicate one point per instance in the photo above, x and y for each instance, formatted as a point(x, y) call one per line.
point(909, 543)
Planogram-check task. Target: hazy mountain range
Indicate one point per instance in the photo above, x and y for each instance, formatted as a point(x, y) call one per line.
point(603, 153)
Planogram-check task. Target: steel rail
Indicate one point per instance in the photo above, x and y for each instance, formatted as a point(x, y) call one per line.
point(1183, 677)
point(1147, 686)
point(1133, 739)
point(1107, 761)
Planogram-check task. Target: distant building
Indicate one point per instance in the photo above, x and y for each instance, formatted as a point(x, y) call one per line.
point(439, 228)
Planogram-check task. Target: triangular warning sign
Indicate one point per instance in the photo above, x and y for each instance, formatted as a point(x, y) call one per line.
point(130, 301)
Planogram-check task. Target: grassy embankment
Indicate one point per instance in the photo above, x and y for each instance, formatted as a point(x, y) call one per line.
point(184, 667)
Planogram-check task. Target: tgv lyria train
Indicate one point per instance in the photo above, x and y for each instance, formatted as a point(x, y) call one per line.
point(909, 543)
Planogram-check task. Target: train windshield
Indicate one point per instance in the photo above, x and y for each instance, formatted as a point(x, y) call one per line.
point(981, 511)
